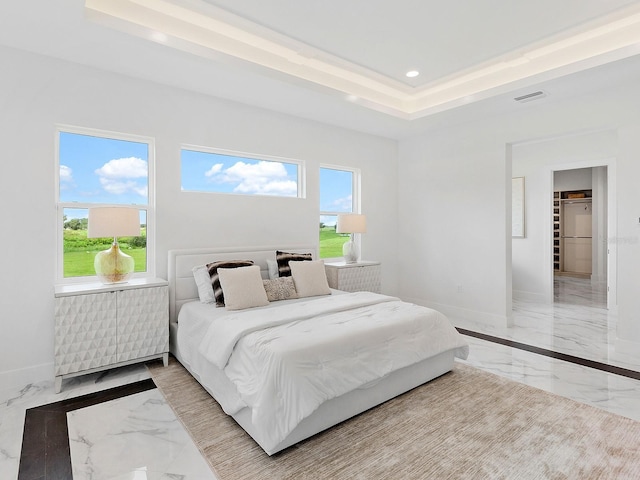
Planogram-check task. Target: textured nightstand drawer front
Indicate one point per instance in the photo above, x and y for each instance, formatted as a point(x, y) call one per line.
point(360, 278)
point(85, 331)
point(143, 322)
point(354, 278)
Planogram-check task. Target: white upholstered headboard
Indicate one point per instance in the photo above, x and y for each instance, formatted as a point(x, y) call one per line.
point(182, 286)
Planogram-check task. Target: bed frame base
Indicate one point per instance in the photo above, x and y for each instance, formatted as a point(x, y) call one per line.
point(357, 401)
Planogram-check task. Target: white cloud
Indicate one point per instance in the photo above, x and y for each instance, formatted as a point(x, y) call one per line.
point(265, 178)
point(217, 168)
point(131, 167)
point(344, 204)
point(117, 187)
point(66, 174)
point(118, 176)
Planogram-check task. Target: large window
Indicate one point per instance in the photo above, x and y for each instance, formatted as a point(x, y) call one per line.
point(219, 171)
point(101, 169)
point(338, 194)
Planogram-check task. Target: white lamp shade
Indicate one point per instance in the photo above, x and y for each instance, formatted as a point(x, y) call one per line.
point(351, 223)
point(113, 222)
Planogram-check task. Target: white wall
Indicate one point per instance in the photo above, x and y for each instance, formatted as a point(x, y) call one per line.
point(454, 217)
point(627, 238)
point(452, 200)
point(536, 161)
point(36, 93)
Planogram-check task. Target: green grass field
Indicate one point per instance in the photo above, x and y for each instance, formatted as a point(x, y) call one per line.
point(80, 264)
point(331, 242)
point(80, 252)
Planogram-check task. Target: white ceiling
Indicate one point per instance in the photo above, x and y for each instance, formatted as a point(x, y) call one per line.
point(438, 38)
point(345, 61)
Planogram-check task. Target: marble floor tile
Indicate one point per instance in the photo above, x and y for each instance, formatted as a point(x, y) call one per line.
point(15, 402)
point(137, 437)
point(607, 391)
point(577, 323)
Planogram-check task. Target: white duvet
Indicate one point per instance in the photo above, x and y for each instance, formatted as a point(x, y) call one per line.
point(286, 361)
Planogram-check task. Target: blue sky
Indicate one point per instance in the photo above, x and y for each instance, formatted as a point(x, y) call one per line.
point(212, 172)
point(336, 187)
point(102, 170)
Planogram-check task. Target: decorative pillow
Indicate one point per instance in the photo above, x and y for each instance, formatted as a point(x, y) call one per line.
point(214, 281)
point(309, 278)
point(272, 266)
point(280, 289)
point(203, 282)
point(242, 287)
point(283, 259)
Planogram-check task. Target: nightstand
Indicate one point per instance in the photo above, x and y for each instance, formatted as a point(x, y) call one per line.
point(354, 277)
point(98, 326)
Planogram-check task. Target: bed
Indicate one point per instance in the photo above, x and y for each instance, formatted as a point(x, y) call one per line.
point(280, 412)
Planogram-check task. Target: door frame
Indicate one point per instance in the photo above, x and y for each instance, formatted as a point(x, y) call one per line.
point(611, 264)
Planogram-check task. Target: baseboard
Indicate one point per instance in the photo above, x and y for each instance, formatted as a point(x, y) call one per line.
point(454, 312)
point(530, 296)
point(18, 379)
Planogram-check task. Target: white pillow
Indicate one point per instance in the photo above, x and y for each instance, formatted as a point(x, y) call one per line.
point(242, 287)
point(272, 265)
point(203, 281)
point(309, 278)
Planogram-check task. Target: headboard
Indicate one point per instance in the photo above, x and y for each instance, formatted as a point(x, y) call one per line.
point(182, 286)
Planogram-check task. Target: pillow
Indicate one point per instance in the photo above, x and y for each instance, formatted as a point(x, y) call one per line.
point(214, 281)
point(309, 278)
point(203, 282)
point(272, 266)
point(283, 259)
point(242, 287)
point(280, 289)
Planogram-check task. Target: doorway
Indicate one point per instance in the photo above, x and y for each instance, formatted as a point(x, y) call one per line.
point(580, 233)
point(531, 268)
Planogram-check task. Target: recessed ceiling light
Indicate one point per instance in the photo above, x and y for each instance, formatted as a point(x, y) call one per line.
point(412, 73)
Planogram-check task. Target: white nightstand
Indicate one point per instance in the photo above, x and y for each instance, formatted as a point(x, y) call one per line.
point(354, 277)
point(104, 326)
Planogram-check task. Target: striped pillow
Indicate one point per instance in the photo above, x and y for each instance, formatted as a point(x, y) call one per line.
point(283, 259)
point(212, 268)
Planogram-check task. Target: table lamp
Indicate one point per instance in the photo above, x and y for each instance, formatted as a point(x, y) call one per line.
point(112, 265)
point(351, 223)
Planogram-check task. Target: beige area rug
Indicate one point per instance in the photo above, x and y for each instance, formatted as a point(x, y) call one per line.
point(467, 424)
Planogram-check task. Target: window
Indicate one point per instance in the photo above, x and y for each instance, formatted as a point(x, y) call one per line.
point(219, 171)
point(338, 194)
point(101, 169)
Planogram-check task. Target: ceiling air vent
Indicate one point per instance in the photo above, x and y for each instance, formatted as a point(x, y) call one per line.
point(530, 96)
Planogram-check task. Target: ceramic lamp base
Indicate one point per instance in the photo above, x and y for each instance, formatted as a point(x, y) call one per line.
point(350, 252)
point(113, 266)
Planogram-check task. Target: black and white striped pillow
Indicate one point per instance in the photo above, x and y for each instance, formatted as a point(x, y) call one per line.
point(212, 268)
point(283, 259)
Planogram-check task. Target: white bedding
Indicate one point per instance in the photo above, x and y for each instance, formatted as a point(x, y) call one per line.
point(285, 360)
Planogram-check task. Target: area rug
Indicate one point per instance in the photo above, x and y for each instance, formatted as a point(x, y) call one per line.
point(467, 424)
